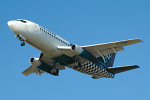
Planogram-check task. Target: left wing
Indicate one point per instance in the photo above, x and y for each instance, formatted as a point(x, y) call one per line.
point(107, 48)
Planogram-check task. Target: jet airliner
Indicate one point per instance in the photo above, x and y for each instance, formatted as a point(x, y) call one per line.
point(57, 53)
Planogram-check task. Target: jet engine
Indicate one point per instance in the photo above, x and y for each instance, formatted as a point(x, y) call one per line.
point(76, 49)
point(35, 62)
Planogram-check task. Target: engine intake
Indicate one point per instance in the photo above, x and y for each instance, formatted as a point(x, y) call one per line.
point(76, 49)
point(83, 53)
point(35, 61)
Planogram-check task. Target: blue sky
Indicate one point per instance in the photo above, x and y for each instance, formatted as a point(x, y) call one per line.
point(83, 22)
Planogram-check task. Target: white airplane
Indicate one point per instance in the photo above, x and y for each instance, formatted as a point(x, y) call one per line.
point(57, 53)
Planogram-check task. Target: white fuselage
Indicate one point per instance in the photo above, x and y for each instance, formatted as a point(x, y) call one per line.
point(48, 42)
point(39, 37)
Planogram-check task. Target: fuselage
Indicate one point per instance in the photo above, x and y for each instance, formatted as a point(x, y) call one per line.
point(39, 37)
point(48, 42)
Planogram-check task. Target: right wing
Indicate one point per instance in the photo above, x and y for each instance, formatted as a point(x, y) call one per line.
point(43, 59)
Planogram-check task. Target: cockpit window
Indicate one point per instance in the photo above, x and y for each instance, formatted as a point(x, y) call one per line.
point(22, 20)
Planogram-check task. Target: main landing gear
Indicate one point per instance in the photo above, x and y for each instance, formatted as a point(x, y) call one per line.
point(54, 70)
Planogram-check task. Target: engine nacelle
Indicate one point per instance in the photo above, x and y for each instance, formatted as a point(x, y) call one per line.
point(83, 53)
point(76, 49)
point(35, 61)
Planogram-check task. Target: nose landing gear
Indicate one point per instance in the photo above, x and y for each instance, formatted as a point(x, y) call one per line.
point(23, 43)
point(21, 38)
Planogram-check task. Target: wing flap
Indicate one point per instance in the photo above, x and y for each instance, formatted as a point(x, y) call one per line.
point(116, 70)
point(107, 51)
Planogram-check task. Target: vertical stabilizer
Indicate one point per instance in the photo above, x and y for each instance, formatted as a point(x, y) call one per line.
point(108, 59)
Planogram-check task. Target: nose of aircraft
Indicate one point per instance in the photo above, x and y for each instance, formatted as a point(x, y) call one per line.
point(11, 24)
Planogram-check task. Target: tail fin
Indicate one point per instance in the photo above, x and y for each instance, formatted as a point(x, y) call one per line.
point(111, 59)
point(108, 60)
point(116, 70)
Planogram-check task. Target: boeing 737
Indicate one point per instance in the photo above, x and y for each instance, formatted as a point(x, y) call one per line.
point(57, 53)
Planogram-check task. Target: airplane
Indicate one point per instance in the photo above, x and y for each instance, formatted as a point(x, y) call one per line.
point(57, 53)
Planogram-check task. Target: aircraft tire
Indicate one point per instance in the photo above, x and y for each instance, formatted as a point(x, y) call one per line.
point(22, 44)
point(54, 71)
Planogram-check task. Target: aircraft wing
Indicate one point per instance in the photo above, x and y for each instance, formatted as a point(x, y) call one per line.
point(46, 59)
point(107, 48)
point(31, 70)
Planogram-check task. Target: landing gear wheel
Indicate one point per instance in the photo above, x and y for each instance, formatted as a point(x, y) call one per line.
point(23, 43)
point(54, 71)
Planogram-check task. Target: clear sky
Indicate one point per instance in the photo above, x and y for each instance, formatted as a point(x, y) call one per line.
point(83, 22)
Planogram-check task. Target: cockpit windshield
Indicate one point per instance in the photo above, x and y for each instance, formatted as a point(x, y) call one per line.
point(22, 20)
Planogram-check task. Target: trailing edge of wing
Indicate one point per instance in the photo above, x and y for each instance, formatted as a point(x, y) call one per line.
point(116, 70)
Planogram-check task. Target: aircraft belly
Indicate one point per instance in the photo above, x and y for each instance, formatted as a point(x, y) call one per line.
point(94, 70)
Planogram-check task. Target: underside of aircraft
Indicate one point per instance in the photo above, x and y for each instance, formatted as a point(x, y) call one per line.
point(57, 53)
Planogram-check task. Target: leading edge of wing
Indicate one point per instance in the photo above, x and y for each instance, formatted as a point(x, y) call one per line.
point(112, 44)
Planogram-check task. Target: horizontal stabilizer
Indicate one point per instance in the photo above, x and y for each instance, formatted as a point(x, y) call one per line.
point(116, 70)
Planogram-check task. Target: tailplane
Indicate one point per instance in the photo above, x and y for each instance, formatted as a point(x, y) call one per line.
point(116, 70)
